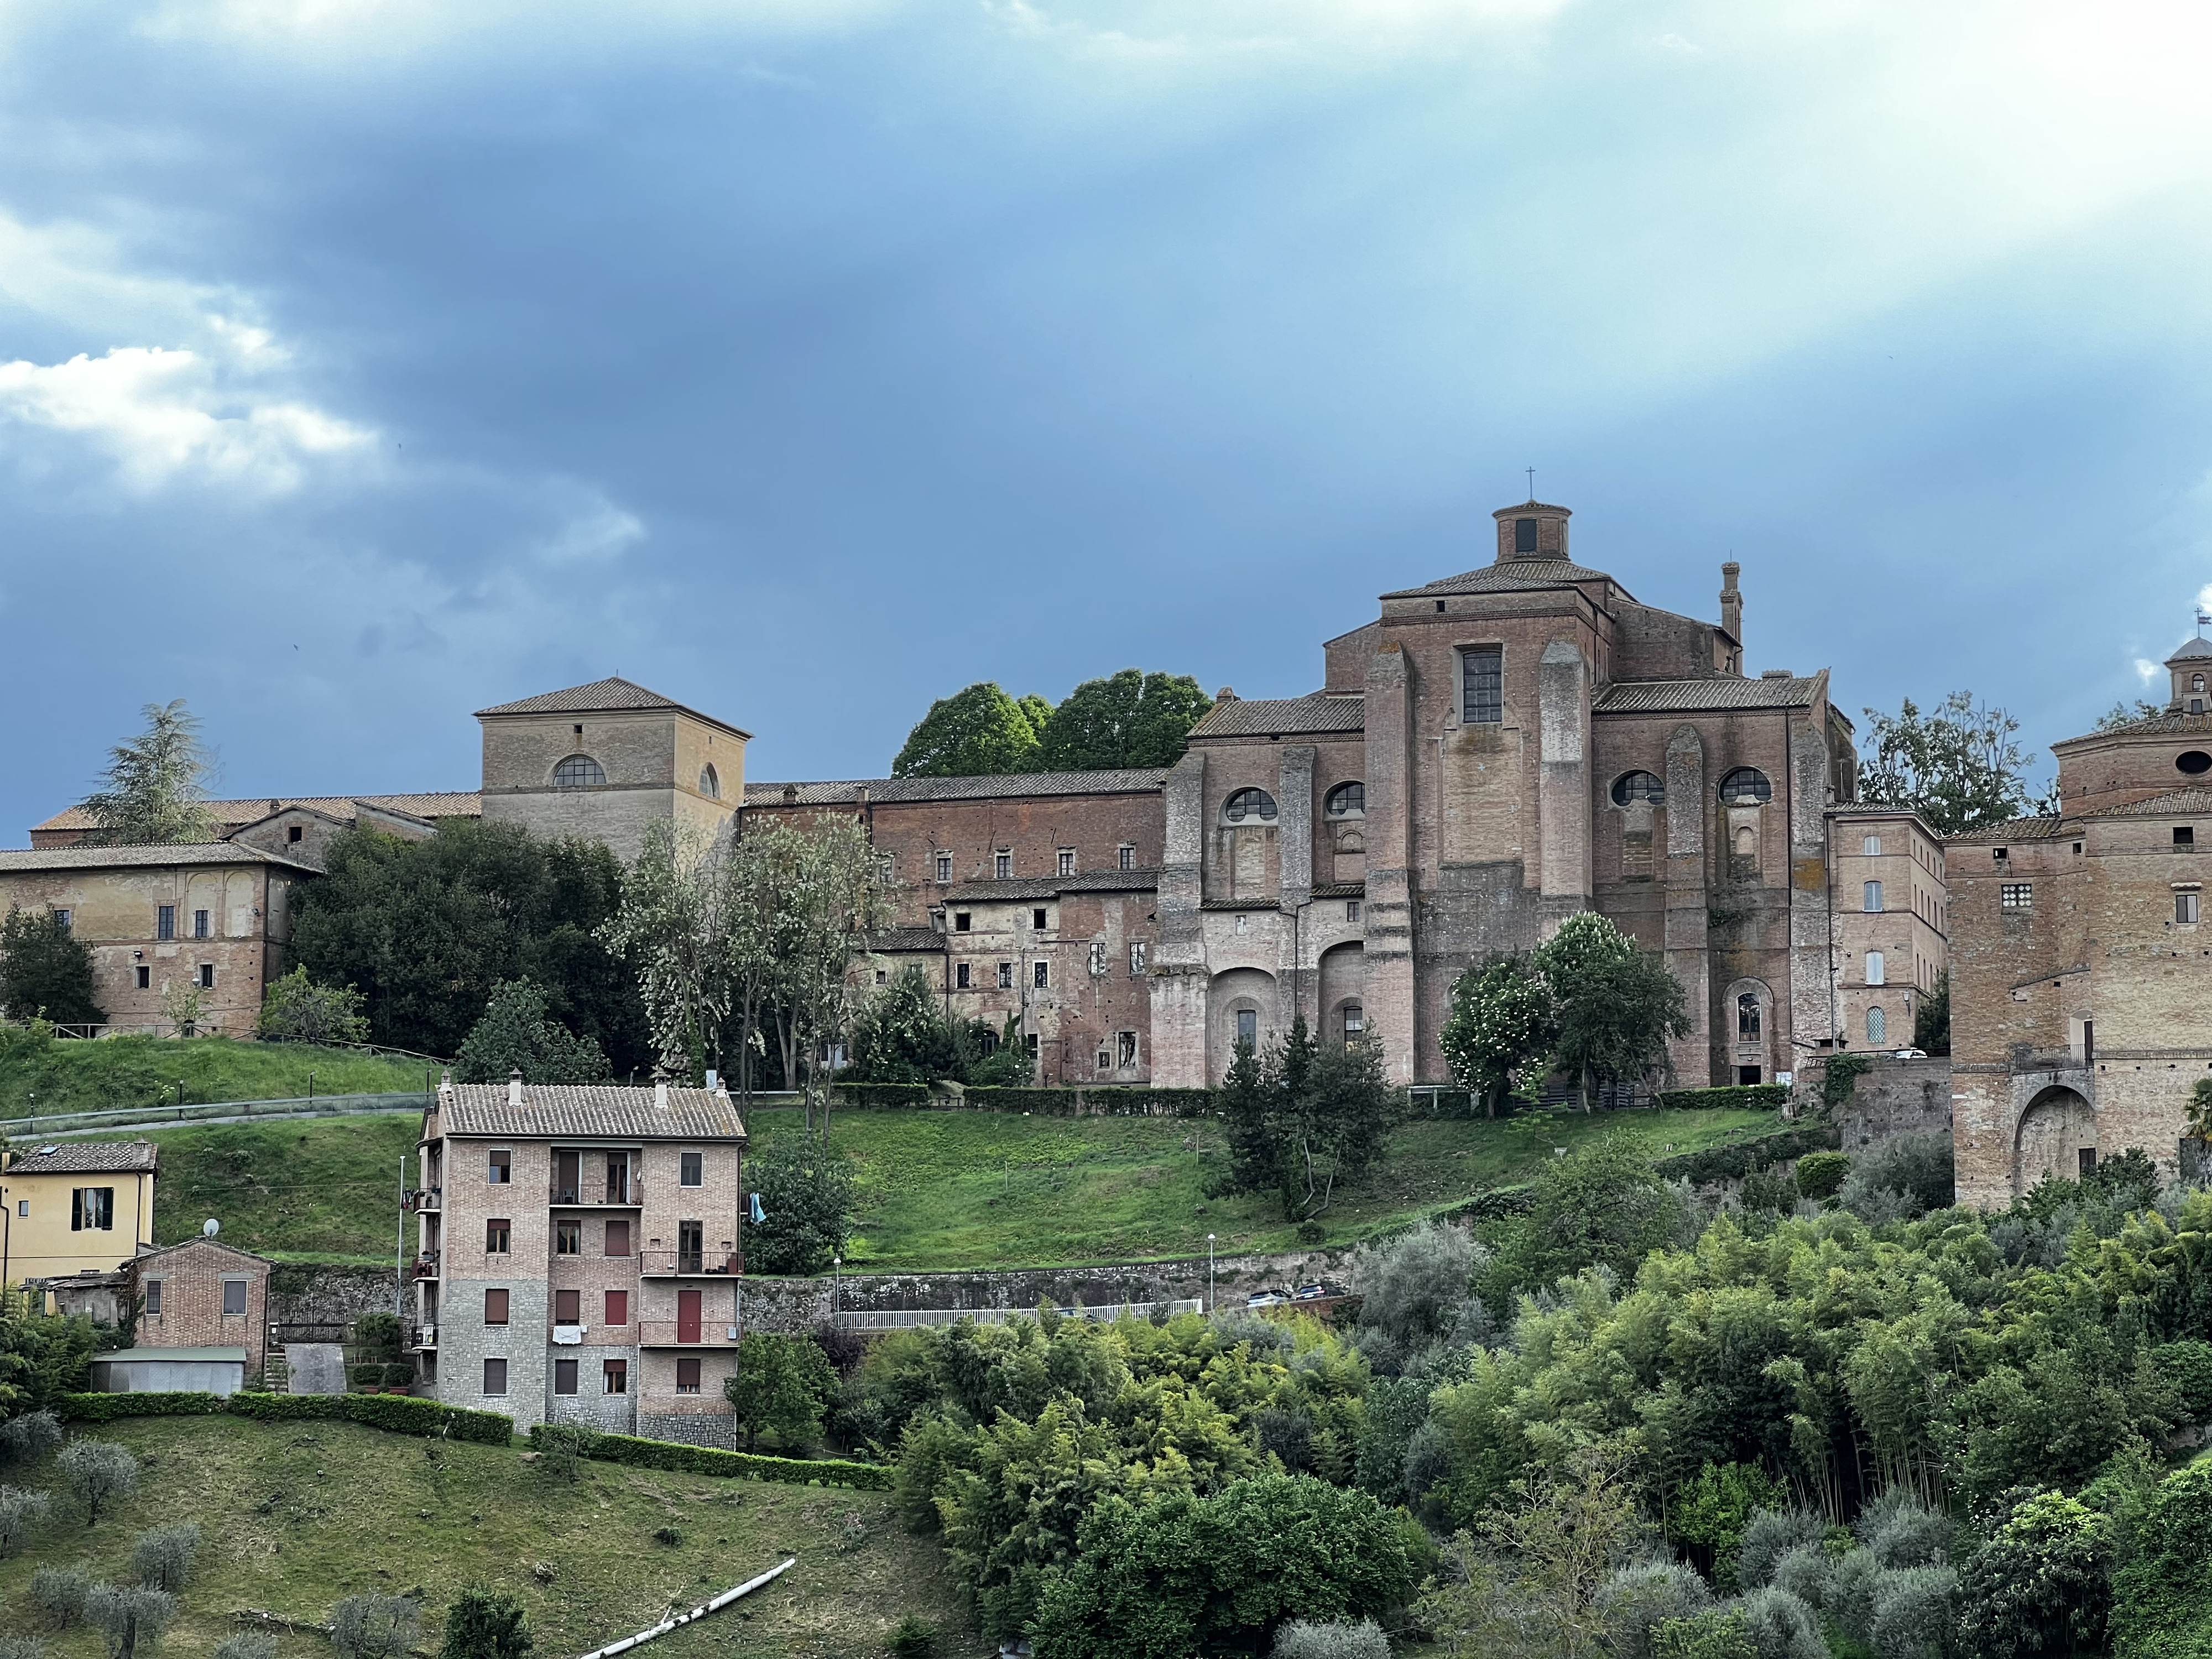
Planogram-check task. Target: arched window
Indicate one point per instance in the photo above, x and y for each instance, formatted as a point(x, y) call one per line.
point(1746, 787)
point(577, 772)
point(1250, 803)
point(1355, 1022)
point(710, 781)
point(1633, 787)
point(1346, 801)
point(1877, 1027)
point(1748, 1020)
point(1877, 969)
point(2196, 682)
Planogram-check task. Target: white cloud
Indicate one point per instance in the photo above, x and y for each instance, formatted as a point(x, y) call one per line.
point(2146, 670)
point(597, 530)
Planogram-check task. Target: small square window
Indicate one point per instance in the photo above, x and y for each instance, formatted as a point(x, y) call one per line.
point(1040, 974)
point(496, 1307)
point(1067, 861)
point(1125, 857)
point(2185, 835)
point(499, 1170)
point(945, 867)
point(960, 976)
point(496, 1237)
point(692, 1168)
point(2016, 895)
point(687, 1376)
point(1006, 976)
point(616, 1373)
point(568, 1237)
point(145, 977)
point(294, 833)
point(494, 1377)
point(961, 921)
point(564, 1376)
point(1036, 921)
point(1002, 864)
point(199, 924)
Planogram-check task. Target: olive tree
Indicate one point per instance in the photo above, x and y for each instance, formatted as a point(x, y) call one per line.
point(100, 1473)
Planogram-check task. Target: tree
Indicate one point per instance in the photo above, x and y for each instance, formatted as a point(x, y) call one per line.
point(1503, 1024)
point(782, 1387)
point(806, 1200)
point(375, 1626)
point(162, 1557)
point(295, 1009)
point(514, 1035)
point(130, 1617)
point(21, 1512)
point(1931, 1018)
point(1617, 1006)
point(155, 786)
point(100, 1473)
point(1957, 765)
point(426, 930)
point(45, 971)
point(2159, 1605)
point(2124, 713)
point(183, 1008)
point(562, 1447)
point(2040, 1588)
point(671, 928)
point(976, 732)
point(1304, 1119)
point(835, 902)
point(1711, 1513)
point(901, 1034)
point(1601, 1205)
point(486, 1624)
point(1131, 718)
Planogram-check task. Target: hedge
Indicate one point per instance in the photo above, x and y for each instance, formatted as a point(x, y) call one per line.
point(1094, 1103)
point(883, 1096)
point(398, 1413)
point(1734, 1096)
point(106, 1407)
point(1736, 1159)
point(684, 1459)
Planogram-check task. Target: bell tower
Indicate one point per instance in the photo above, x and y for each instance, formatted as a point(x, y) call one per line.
point(2192, 668)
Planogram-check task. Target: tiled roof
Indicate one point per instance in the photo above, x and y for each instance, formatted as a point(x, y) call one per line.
point(110, 858)
point(1665, 696)
point(1513, 575)
point(591, 1111)
point(2036, 827)
point(1240, 904)
point(87, 1157)
point(147, 1251)
point(232, 814)
point(895, 790)
point(1340, 890)
point(2167, 723)
point(1045, 887)
point(607, 696)
point(1323, 711)
point(2195, 801)
point(894, 939)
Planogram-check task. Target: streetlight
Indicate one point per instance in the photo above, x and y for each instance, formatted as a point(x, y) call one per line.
point(1209, 1273)
point(837, 1263)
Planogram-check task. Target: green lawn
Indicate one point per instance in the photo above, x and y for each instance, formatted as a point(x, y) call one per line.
point(297, 1516)
point(68, 1076)
point(957, 1189)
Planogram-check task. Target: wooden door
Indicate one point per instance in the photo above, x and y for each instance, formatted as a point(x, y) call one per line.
point(687, 1315)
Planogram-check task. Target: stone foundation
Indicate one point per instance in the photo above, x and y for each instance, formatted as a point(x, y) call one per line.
point(719, 1432)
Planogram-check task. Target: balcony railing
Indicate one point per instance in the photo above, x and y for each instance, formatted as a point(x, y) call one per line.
point(668, 1334)
point(420, 1338)
point(425, 1265)
point(426, 1199)
point(658, 1262)
point(629, 1195)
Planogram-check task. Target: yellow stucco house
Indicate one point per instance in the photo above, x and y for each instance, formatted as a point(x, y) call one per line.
point(76, 1206)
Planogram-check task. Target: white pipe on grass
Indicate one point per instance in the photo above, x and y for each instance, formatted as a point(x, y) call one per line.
point(675, 1619)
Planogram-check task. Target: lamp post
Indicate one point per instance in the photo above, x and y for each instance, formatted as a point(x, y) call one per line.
point(1209, 1273)
point(836, 1264)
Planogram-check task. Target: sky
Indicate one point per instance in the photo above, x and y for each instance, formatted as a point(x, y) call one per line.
point(366, 362)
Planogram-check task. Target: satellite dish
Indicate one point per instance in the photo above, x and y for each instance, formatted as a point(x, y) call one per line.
point(211, 1227)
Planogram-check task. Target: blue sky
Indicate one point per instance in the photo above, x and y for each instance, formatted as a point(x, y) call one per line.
point(366, 362)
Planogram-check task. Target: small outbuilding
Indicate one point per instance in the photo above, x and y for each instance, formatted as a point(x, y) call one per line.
point(168, 1371)
point(203, 1295)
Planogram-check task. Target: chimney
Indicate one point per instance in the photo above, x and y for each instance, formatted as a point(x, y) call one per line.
point(660, 1094)
point(445, 1084)
point(713, 1081)
point(1731, 601)
point(514, 1087)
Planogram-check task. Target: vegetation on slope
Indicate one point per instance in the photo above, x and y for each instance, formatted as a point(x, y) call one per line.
point(50, 1074)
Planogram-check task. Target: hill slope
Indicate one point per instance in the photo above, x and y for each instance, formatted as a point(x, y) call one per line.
point(59, 1075)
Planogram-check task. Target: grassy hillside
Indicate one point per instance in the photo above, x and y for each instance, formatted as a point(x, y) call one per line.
point(67, 1076)
point(298, 1515)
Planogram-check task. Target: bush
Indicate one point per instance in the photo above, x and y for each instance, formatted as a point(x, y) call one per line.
point(1912, 1612)
point(59, 1593)
point(1818, 1174)
point(515, 1035)
point(1734, 1160)
point(1903, 1532)
point(2158, 1606)
point(1712, 1513)
point(1716, 1633)
point(1768, 1536)
point(2039, 1586)
point(295, 1009)
point(562, 1447)
point(807, 1198)
point(22, 1647)
point(162, 1557)
point(100, 1473)
point(367, 1376)
point(1300, 1639)
point(399, 1374)
point(912, 1639)
point(1636, 1601)
point(106, 1407)
point(1414, 1288)
point(133, 1618)
point(375, 1626)
point(377, 1333)
point(486, 1624)
point(246, 1644)
point(403, 1414)
point(707, 1460)
point(1806, 1571)
point(667, 1535)
point(1781, 1626)
point(2188, 1366)
point(1850, 1599)
point(1900, 1180)
point(1734, 1096)
point(21, 1512)
point(28, 1438)
point(272, 1407)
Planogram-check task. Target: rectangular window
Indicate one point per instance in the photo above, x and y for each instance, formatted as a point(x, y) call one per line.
point(496, 1237)
point(1040, 974)
point(1352, 909)
point(494, 1377)
point(1872, 847)
point(1006, 976)
point(62, 922)
point(961, 921)
point(2185, 908)
point(1125, 857)
point(618, 1238)
point(495, 1303)
point(1248, 1026)
point(1482, 673)
point(1002, 864)
point(692, 1171)
point(1098, 956)
point(1067, 861)
point(690, 1247)
point(1036, 921)
point(165, 921)
point(564, 1376)
point(154, 1297)
point(199, 924)
point(1125, 1049)
point(207, 976)
point(1873, 898)
point(1874, 969)
point(145, 977)
point(617, 1374)
point(888, 863)
point(92, 1210)
point(568, 1237)
point(617, 1306)
point(945, 867)
point(960, 976)
point(234, 1296)
point(568, 1307)
point(687, 1376)
point(2185, 835)
point(1137, 957)
point(500, 1170)
point(2016, 895)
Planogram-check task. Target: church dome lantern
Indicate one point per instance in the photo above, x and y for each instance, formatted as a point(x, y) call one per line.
point(2192, 668)
point(1534, 529)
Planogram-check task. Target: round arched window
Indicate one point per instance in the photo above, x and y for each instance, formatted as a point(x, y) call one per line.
point(710, 781)
point(1346, 801)
point(2194, 762)
point(1633, 787)
point(1746, 787)
point(577, 772)
point(1250, 803)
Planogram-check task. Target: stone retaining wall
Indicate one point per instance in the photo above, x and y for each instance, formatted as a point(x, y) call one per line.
point(1894, 1098)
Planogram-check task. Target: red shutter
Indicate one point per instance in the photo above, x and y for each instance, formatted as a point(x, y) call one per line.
point(617, 1306)
point(687, 1315)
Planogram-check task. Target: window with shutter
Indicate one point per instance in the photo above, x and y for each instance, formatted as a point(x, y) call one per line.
point(496, 1307)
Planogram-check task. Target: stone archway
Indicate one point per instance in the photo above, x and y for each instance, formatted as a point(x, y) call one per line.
point(1248, 993)
point(1747, 1033)
point(2056, 1129)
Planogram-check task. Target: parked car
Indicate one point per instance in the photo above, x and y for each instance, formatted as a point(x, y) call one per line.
point(1313, 1292)
point(1266, 1299)
point(1909, 1053)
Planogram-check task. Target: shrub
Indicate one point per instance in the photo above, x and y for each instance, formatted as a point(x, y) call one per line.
point(59, 1593)
point(1638, 1600)
point(367, 1376)
point(1413, 1288)
point(667, 1535)
point(377, 1332)
point(1900, 1180)
point(2039, 1586)
point(1805, 1571)
point(106, 1407)
point(100, 1473)
point(375, 1626)
point(708, 1460)
point(1781, 1626)
point(912, 1639)
point(1730, 1097)
point(246, 1644)
point(1711, 1513)
point(22, 1647)
point(399, 1374)
point(486, 1624)
point(2188, 1366)
point(162, 1557)
point(1912, 1616)
point(130, 1616)
point(403, 1414)
point(295, 1009)
point(1716, 1633)
point(1818, 1174)
point(1301, 1640)
point(2159, 1605)
point(1850, 1600)
point(276, 1407)
point(1903, 1532)
point(20, 1513)
point(28, 1438)
point(562, 1447)
point(1768, 1536)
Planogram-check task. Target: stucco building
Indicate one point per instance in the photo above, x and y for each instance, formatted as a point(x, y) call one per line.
point(79, 1208)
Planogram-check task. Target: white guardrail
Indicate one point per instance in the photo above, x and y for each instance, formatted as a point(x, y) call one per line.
point(20, 1130)
point(899, 1319)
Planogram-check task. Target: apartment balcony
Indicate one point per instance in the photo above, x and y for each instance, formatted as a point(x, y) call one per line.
point(629, 1195)
point(420, 1339)
point(657, 1262)
point(426, 1201)
point(425, 1265)
point(676, 1333)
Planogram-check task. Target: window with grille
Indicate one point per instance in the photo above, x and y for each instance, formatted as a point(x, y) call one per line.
point(1002, 865)
point(1346, 801)
point(1006, 976)
point(2016, 895)
point(1746, 787)
point(1040, 974)
point(578, 772)
point(1631, 788)
point(1125, 857)
point(1482, 684)
point(1877, 1027)
point(1098, 956)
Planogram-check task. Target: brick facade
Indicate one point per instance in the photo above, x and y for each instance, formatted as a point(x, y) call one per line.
point(180, 1290)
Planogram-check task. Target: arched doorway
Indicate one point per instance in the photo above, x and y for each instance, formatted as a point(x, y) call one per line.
point(2058, 1135)
point(1747, 1014)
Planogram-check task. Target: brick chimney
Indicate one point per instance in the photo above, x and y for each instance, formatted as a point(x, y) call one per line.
point(1731, 601)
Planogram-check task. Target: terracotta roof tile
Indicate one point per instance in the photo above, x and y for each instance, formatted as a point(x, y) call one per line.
point(607, 696)
point(896, 790)
point(1320, 713)
point(234, 814)
point(1513, 575)
point(87, 1157)
point(1657, 696)
point(110, 858)
point(593, 1111)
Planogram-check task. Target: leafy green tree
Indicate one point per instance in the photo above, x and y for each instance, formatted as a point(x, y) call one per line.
point(1957, 765)
point(295, 1009)
point(2124, 713)
point(486, 1624)
point(901, 1035)
point(1617, 1006)
point(1931, 1018)
point(515, 1035)
point(673, 928)
point(2159, 1604)
point(1503, 1026)
point(426, 929)
point(1131, 718)
point(2040, 1588)
point(1601, 1205)
point(1307, 1117)
point(807, 1196)
point(782, 1387)
point(45, 971)
point(979, 731)
point(1711, 1513)
point(154, 789)
point(1715, 1633)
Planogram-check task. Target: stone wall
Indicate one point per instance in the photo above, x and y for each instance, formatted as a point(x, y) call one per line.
point(304, 1294)
point(1895, 1098)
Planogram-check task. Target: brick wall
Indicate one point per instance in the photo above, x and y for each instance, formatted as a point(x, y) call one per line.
point(191, 1277)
